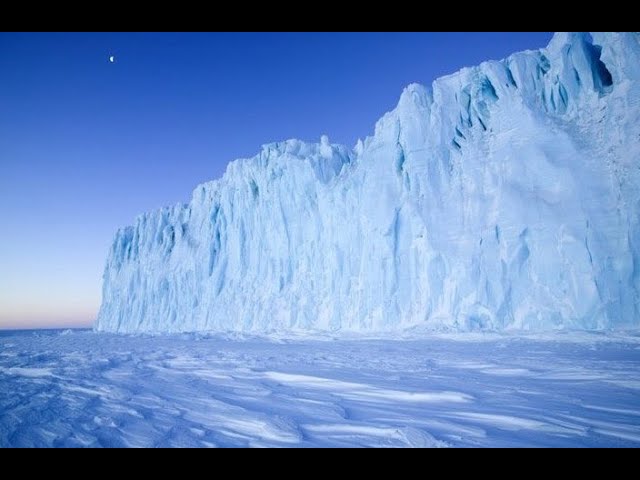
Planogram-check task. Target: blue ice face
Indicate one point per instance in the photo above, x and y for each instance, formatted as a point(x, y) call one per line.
point(506, 196)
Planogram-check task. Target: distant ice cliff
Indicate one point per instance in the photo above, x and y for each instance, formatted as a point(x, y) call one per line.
point(507, 195)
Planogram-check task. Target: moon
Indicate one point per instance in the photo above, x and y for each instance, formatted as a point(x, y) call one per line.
point(112, 59)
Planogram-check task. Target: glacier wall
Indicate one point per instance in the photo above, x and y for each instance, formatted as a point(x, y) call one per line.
point(507, 195)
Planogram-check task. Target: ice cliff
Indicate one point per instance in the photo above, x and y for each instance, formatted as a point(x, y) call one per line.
point(507, 195)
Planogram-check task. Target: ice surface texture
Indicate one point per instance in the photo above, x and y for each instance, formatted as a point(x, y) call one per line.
point(576, 389)
point(505, 196)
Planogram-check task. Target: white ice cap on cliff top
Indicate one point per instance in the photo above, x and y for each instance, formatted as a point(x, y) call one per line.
point(414, 94)
point(560, 39)
point(325, 147)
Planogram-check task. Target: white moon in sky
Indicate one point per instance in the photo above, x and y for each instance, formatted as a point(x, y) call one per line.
point(112, 59)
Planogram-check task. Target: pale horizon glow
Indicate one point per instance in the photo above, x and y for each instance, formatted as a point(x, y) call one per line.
point(27, 323)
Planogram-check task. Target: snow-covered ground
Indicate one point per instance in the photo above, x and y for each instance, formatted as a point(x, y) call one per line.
point(80, 388)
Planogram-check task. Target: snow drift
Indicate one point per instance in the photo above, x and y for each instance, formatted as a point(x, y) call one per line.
point(505, 196)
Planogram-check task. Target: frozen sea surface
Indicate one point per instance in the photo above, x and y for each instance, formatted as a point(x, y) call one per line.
point(80, 388)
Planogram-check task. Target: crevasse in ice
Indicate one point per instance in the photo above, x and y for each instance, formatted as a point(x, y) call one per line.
point(506, 196)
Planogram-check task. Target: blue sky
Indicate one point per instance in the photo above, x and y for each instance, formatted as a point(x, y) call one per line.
point(86, 145)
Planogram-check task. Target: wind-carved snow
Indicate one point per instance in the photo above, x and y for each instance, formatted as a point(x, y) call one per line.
point(447, 390)
point(506, 196)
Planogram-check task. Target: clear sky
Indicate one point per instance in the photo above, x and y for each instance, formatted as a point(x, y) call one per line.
point(86, 144)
